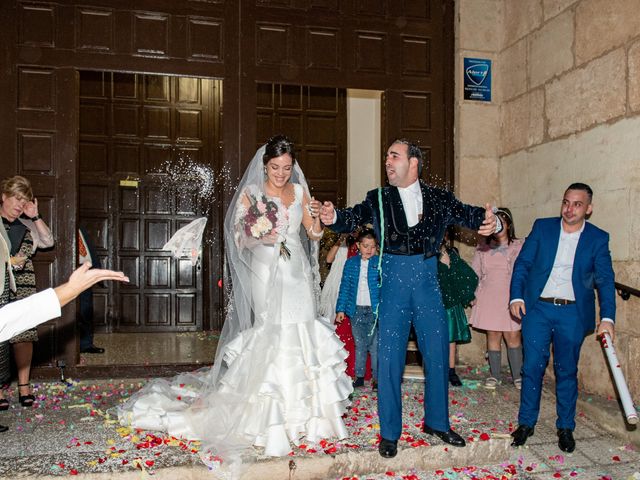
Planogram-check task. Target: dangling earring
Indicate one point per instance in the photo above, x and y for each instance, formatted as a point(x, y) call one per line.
point(264, 169)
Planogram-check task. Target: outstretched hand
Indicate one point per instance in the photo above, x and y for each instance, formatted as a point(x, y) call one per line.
point(83, 278)
point(488, 226)
point(327, 213)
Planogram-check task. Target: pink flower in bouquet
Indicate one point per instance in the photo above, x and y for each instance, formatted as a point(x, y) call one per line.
point(263, 218)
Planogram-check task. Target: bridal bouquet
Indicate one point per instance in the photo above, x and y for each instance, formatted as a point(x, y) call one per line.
point(262, 219)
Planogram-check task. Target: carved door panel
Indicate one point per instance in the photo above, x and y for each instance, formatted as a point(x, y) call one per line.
point(141, 136)
point(316, 120)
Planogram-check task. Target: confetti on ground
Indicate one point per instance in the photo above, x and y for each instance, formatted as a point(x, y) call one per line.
point(71, 431)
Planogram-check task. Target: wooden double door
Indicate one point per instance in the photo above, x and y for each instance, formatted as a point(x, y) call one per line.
point(150, 163)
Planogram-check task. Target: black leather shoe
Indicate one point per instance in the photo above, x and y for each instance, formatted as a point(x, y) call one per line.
point(92, 349)
point(566, 443)
point(388, 448)
point(521, 434)
point(450, 437)
point(3, 428)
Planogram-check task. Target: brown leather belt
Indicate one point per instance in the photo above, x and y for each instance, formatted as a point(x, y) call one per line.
point(557, 301)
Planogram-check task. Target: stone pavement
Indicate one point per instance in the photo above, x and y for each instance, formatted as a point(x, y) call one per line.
point(70, 433)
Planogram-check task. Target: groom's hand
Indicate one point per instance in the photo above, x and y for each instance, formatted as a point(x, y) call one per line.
point(488, 226)
point(327, 212)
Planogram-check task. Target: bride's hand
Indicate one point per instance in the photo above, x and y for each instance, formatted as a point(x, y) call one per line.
point(314, 208)
point(271, 239)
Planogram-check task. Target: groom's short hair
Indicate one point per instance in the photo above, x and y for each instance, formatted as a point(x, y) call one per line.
point(413, 150)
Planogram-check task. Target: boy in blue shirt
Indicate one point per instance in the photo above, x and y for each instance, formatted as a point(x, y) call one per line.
point(359, 297)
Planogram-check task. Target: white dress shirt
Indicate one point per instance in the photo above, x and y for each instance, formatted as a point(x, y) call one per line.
point(363, 298)
point(559, 282)
point(21, 315)
point(411, 197)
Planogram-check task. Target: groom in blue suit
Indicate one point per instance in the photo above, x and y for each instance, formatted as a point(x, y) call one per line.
point(410, 218)
point(552, 290)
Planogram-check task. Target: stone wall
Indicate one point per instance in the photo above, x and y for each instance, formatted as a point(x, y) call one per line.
point(566, 108)
point(477, 139)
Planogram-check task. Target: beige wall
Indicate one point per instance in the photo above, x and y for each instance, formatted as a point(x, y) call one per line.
point(364, 154)
point(566, 108)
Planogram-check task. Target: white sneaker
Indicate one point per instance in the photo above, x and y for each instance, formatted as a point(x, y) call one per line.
point(518, 383)
point(491, 383)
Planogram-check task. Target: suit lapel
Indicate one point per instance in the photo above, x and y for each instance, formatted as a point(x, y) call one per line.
point(554, 240)
point(423, 190)
point(397, 210)
point(581, 250)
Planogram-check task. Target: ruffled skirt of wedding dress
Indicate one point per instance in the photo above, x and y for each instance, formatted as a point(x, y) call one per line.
point(284, 382)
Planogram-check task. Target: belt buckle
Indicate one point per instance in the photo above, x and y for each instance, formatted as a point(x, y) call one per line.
point(558, 300)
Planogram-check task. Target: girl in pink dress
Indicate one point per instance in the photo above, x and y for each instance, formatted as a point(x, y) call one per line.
point(493, 262)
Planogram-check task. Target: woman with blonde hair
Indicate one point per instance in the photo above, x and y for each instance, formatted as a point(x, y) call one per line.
point(25, 236)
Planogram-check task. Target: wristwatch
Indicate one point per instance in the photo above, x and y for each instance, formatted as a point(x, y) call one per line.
point(36, 218)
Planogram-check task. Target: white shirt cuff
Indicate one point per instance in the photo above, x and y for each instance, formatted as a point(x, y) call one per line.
point(516, 300)
point(605, 319)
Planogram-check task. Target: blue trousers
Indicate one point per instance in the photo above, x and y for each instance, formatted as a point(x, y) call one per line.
point(546, 324)
point(410, 294)
point(366, 340)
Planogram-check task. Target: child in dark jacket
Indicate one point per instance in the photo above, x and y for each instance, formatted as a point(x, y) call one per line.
point(358, 298)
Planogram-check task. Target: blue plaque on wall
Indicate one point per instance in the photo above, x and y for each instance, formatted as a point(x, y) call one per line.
point(477, 79)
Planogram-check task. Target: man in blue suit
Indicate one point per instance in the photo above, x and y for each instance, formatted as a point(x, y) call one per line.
point(552, 290)
point(410, 218)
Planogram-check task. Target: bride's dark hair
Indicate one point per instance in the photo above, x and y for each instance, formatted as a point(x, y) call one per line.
point(276, 146)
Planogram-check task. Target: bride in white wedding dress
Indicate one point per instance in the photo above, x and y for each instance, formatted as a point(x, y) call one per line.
point(279, 372)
